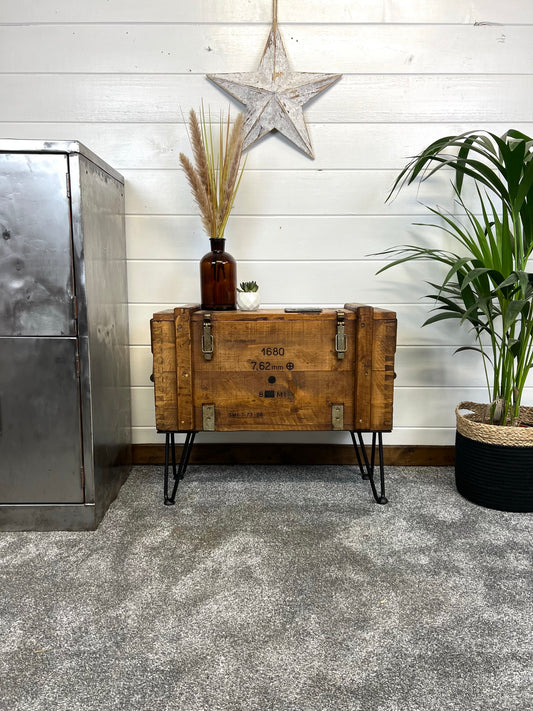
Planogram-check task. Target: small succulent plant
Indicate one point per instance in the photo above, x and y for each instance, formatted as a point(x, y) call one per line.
point(248, 286)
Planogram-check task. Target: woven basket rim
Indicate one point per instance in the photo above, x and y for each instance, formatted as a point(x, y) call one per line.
point(472, 425)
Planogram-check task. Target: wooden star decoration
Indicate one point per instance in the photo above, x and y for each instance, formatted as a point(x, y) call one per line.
point(274, 95)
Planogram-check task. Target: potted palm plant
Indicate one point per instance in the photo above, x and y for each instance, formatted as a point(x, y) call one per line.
point(487, 287)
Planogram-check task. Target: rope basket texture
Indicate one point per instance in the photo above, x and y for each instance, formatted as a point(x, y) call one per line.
point(474, 426)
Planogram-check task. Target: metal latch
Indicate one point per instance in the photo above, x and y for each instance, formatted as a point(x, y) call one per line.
point(207, 338)
point(337, 417)
point(340, 336)
point(208, 417)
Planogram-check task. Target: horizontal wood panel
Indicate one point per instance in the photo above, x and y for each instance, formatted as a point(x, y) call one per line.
point(272, 370)
point(308, 408)
point(414, 407)
point(410, 320)
point(431, 366)
point(415, 366)
point(355, 98)
point(332, 192)
point(307, 343)
point(280, 238)
point(267, 237)
point(275, 374)
point(338, 48)
point(303, 454)
point(352, 146)
point(323, 282)
point(415, 11)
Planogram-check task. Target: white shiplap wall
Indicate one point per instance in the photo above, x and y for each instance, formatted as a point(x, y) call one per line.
point(118, 75)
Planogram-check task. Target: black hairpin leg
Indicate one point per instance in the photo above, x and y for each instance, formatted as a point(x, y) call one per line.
point(179, 472)
point(367, 468)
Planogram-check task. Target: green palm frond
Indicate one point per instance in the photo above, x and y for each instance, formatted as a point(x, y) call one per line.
point(487, 284)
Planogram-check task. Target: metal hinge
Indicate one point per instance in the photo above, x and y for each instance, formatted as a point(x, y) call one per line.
point(207, 338)
point(208, 417)
point(337, 417)
point(77, 365)
point(75, 313)
point(340, 336)
point(68, 185)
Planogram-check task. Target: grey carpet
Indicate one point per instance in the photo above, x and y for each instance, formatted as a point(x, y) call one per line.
point(272, 588)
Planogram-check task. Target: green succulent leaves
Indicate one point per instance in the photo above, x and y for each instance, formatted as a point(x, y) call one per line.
point(247, 286)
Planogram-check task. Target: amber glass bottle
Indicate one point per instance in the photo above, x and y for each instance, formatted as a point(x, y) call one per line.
point(218, 278)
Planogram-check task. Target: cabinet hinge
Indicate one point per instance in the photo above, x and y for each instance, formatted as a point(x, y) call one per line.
point(68, 185)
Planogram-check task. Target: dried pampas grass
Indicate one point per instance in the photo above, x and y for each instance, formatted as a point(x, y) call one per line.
point(215, 175)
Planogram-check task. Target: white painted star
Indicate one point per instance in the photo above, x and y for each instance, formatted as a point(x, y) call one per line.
point(274, 96)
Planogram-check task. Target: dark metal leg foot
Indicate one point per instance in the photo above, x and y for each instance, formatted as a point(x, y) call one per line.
point(177, 472)
point(367, 469)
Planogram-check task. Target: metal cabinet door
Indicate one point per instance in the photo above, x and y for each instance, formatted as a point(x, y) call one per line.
point(36, 277)
point(40, 440)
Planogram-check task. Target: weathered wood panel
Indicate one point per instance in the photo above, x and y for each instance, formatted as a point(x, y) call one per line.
point(410, 318)
point(278, 237)
point(270, 370)
point(184, 367)
point(332, 192)
point(161, 11)
point(119, 75)
point(318, 282)
point(414, 408)
point(204, 49)
point(356, 97)
point(341, 146)
point(164, 373)
point(415, 366)
point(300, 454)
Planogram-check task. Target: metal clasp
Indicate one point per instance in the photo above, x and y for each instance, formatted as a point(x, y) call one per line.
point(207, 338)
point(340, 336)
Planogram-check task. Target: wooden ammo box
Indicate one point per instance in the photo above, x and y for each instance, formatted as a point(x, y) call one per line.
point(273, 370)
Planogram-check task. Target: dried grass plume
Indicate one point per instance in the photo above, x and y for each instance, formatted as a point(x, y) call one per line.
point(216, 172)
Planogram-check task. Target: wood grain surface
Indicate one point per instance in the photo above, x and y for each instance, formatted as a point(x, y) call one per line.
point(271, 370)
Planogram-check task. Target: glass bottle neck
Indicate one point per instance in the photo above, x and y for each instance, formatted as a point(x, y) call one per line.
point(217, 244)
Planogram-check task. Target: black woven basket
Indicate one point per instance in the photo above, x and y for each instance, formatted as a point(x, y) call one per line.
point(492, 475)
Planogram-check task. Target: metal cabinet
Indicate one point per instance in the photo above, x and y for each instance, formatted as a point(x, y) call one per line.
point(65, 418)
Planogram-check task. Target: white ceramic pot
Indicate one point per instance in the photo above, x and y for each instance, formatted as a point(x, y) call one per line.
point(248, 300)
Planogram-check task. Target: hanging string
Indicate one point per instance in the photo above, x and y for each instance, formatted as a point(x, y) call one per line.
point(274, 32)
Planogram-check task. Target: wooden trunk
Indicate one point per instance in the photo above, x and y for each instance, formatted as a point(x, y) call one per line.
point(272, 370)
